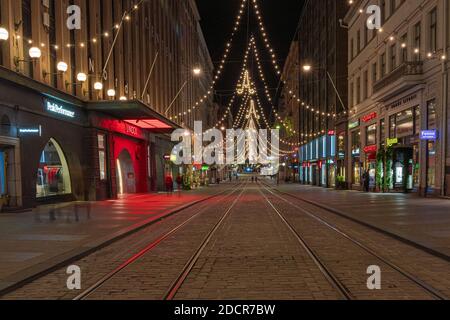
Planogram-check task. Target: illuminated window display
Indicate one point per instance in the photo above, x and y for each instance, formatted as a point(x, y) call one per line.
point(53, 176)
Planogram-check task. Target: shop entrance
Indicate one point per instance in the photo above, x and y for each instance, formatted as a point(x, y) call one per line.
point(126, 177)
point(53, 176)
point(403, 163)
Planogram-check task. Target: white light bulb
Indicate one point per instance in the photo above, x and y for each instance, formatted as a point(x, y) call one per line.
point(111, 93)
point(35, 53)
point(62, 66)
point(98, 86)
point(82, 77)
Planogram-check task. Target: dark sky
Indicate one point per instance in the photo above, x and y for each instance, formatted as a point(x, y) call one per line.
point(217, 20)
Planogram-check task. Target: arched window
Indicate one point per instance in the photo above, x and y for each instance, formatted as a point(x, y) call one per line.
point(53, 176)
point(5, 126)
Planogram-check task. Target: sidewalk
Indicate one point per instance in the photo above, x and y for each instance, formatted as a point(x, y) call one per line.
point(425, 221)
point(34, 241)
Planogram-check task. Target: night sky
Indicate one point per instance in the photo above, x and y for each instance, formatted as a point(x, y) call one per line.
point(217, 19)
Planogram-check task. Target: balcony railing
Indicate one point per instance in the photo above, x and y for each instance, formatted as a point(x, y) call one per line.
point(410, 68)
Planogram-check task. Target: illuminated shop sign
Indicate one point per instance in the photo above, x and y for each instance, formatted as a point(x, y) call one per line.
point(59, 109)
point(391, 142)
point(428, 135)
point(36, 131)
point(331, 132)
point(369, 117)
point(354, 124)
point(370, 149)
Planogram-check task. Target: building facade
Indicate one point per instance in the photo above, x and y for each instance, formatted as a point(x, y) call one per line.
point(87, 113)
point(322, 92)
point(398, 89)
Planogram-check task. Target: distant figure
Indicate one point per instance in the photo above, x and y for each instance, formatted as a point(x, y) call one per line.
point(231, 177)
point(366, 181)
point(218, 180)
point(253, 179)
point(256, 179)
point(180, 182)
point(169, 184)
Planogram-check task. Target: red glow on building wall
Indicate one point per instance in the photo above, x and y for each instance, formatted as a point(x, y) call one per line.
point(148, 124)
point(137, 151)
point(371, 149)
point(122, 127)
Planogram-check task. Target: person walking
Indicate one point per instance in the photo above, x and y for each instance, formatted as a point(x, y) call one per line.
point(366, 181)
point(169, 184)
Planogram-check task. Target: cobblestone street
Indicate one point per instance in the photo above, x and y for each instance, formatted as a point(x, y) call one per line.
point(255, 241)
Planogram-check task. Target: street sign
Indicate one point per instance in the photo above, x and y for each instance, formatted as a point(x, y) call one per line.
point(391, 142)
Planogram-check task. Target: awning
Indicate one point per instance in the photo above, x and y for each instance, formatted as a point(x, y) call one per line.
point(135, 112)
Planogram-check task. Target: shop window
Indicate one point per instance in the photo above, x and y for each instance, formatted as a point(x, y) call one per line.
point(53, 176)
point(404, 124)
point(371, 135)
point(356, 143)
point(102, 156)
point(431, 145)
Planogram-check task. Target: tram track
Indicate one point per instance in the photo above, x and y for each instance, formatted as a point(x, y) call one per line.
point(152, 245)
point(428, 289)
point(75, 259)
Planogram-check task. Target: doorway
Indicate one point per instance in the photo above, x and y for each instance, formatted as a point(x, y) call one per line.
point(126, 177)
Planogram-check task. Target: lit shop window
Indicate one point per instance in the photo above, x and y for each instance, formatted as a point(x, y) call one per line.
point(102, 155)
point(53, 176)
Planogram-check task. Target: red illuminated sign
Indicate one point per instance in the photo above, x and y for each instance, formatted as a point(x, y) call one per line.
point(370, 149)
point(369, 117)
point(331, 132)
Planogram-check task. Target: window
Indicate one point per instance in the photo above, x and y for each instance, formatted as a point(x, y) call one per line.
point(53, 176)
point(358, 42)
point(102, 156)
point(52, 38)
point(358, 90)
point(352, 45)
point(27, 35)
point(366, 85)
point(404, 55)
point(371, 135)
point(374, 73)
point(433, 30)
point(383, 11)
point(383, 64)
point(393, 55)
point(431, 119)
point(392, 10)
point(417, 40)
point(352, 95)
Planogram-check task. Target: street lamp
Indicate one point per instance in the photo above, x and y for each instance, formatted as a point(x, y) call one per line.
point(111, 93)
point(62, 66)
point(98, 86)
point(81, 77)
point(35, 53)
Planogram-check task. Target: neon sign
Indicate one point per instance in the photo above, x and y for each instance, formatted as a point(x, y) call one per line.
point(369, 117)
point(428, 135)
point(31, 131)
point(58, 109)
point(370, 149)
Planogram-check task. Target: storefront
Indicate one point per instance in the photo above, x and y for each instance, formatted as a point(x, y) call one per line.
point(55, 147)
point(356, 165)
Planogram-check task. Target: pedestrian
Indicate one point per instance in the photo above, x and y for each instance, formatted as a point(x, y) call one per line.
point(253, 179)
point(256, 179)
point(169, 184)
point(366, 181)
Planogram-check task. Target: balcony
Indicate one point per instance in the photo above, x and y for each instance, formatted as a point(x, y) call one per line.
point(404, 77)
